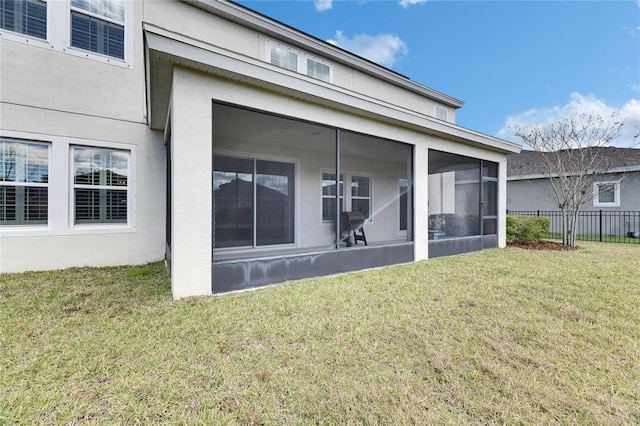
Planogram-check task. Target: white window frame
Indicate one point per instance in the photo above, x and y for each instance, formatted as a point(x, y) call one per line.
point(441, 112)
point(347, 179)
point(59, 33)
point(75, 186)
point(60, 220)
point(302, 57)
point(27, 184)
point(616, 194)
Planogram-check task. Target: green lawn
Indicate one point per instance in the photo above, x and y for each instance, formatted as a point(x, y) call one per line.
point(504, 336)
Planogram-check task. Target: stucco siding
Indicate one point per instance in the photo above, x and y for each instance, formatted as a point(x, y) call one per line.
point(60, 244)
point(533, 194)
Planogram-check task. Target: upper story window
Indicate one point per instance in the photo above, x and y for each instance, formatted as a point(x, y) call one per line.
point(94, 29)
point(606, 194)
point(298, 61)
point(98, 26)
point(27, 17)
point(442, 113)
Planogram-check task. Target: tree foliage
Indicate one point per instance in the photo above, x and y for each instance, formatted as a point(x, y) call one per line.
point(572, 153)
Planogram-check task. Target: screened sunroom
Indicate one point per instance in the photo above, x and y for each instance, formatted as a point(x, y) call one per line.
point(281, 189)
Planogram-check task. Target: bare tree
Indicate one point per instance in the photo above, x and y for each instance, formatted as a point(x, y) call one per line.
point(572, 153)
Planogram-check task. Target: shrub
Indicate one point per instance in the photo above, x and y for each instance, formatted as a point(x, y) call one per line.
point(526, 229)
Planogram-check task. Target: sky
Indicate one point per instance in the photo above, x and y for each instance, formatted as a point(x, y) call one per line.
point(511, 62)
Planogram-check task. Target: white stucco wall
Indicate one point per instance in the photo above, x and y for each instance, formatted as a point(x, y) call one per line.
point(65, 99)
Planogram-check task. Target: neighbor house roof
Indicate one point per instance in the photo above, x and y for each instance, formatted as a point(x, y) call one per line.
point(528, 165)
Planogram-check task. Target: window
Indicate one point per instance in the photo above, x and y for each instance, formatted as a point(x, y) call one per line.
point(298, 61)
point(606, 194)
point(318, 70)
point(27, 17)
point(284, 58)
point(24, 176)
point(95, 29)
point(98, 26)
point(329, 196)
point(361, 195)
point(442, 113)
point(253, 202)
point(358, 199)
point(100, 185)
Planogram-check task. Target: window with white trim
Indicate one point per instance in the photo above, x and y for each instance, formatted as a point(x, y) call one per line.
point(98, 26)
point(287, 57)
point(329, 196)
point(357, 199)
point(606, 194)
point(96, 29)
point(27, 17)
point(442, 113)
point(24, 182)
point(100, 185)
point(361, 195)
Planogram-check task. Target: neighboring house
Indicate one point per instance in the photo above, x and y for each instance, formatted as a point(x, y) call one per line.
point(618, 190)
point(227, 143)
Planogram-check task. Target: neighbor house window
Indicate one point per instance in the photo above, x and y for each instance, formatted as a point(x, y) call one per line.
point(253, 202)
point(98, 26)
point(24, 182)
point(100, 185)
point(296, 60)
point(606, 194)
point(27, 17)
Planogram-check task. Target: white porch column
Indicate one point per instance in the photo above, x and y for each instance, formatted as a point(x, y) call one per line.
point(421, 208)
point(502, 203)
point(191, 169)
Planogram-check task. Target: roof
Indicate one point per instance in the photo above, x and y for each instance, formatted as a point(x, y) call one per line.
point(266, 25)
point(528, 165)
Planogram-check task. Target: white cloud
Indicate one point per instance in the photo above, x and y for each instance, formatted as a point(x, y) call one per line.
point(407, 3)
point(633, 32)
point(635, 87)
point(383, 49)
point(322, 5)
point(578, 104)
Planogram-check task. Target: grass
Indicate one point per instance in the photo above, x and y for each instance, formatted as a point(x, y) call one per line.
point(498, 337)
point(595, 237)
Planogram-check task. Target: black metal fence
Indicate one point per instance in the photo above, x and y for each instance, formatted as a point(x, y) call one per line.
point(600, 225)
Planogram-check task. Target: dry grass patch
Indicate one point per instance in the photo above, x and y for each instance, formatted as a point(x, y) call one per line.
point(505, 336)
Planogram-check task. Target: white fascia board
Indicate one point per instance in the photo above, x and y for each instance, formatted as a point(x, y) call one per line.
point(626, 169)
point(262, 23)
point(199, 52)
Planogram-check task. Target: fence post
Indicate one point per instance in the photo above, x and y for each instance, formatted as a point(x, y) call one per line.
point(600, 215)
point(538, 214)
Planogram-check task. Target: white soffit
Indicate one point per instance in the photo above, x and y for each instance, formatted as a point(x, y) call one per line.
point(166, 49)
